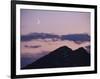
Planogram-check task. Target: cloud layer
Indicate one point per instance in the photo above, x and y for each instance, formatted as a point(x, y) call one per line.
point(44, 36)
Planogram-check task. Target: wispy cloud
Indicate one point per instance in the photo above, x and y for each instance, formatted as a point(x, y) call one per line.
point(31, 46)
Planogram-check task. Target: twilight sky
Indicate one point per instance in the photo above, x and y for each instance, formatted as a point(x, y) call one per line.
point(57, 22)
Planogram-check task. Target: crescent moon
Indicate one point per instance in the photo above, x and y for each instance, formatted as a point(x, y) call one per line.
point(38, 21)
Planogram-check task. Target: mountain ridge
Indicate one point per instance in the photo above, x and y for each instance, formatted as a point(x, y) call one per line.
point(62, 57)
point(72, 37)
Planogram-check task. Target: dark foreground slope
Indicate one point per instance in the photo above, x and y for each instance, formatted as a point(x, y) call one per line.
point(62, 57)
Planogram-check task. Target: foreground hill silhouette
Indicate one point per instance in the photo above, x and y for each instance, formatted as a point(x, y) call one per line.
point(62, 57)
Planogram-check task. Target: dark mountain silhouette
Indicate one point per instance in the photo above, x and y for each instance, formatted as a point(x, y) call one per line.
point(62, 57)
point(88, 48)
point(72, 37)
point(80, 57)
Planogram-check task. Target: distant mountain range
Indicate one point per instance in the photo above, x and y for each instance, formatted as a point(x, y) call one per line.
point(62, 57)
point(71, 37)
point(76, 37)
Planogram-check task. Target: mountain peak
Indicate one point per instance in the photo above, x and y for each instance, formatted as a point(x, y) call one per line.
point(80, 50)
point(62, 57)
point(62, 51)
point(64, 48)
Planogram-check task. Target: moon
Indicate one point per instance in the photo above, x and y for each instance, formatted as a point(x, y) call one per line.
point(38, 21)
